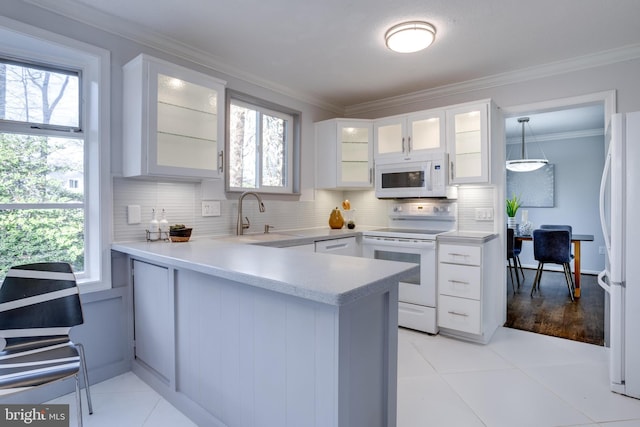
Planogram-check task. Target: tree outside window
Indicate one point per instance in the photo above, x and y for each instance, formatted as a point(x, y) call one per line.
point(261, 146)
point(41, 152)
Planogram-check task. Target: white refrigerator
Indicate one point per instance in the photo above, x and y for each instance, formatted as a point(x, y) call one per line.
point(620, 219)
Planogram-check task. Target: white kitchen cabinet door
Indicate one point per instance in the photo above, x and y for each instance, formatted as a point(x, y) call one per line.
point(408, 137)
point(173, 121)
point(468, 143)
point(344, 154)
point(153, 317)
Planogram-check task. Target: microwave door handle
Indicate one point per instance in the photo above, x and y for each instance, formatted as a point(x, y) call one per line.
point(429, 177)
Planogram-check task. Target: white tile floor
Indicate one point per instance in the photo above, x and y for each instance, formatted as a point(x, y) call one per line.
point(519, 379)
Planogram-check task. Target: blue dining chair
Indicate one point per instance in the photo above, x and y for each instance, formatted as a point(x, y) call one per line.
point(559, 227)
point(39, 304)
point(552, 246)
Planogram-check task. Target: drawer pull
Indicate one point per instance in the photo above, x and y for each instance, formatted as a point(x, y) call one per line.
point(455, 313)
point(458, 282)
point(456, 254)
point(336, 246)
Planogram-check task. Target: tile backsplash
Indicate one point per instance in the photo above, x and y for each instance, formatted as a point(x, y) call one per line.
point(182, 202)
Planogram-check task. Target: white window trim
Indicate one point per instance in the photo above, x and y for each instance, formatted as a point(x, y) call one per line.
point(20, 40)
point(292, 185)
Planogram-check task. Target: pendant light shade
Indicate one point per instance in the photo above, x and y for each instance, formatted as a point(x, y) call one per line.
point(410, 36)
point(524, 164)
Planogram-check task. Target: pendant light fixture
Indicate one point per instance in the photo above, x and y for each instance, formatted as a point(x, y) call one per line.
point(523, 164)
point(409, 37)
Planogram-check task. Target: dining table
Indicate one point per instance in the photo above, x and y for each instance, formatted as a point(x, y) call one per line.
point(576, 239)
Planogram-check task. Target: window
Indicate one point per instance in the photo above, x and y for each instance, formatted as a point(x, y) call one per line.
point(41, 219)
point(52, 142)
point(263, 141)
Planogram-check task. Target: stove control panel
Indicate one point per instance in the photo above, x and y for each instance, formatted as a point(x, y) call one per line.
point(434, 209)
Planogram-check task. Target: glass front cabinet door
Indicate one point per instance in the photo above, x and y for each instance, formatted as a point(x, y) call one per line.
point(468, 144)
point(407, 137)
point(173, 121)
point(344, 154)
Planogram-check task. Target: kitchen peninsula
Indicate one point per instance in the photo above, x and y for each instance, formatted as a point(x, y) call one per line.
point(238, 334)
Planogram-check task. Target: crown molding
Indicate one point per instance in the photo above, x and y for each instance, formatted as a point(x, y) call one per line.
point(142, 35)
point(558, 136)
point(599, 59)
point(134, 32)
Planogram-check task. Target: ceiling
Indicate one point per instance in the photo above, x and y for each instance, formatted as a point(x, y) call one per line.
point(332, 52)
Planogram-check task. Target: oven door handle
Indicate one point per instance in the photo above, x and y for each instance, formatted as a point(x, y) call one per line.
point(398, 243)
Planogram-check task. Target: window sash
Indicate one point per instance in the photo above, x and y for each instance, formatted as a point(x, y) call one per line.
point(24, 126)
point(288, 141)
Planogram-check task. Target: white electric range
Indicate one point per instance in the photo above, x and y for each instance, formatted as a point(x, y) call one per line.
point(411, 237)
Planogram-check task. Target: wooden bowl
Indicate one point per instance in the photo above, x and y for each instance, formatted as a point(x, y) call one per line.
point(181, 235)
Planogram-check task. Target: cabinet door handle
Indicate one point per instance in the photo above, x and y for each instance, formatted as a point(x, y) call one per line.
point(409, 148)
point(451, 169)
point(403, 144)
point(221, 161)
point(336, 246)
point(455, 313)
point(454, 254)
point(370, 175)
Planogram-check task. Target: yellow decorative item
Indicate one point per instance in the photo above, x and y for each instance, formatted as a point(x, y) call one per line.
point(335, 219)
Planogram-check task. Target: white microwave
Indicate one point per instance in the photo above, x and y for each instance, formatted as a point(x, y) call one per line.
point(425, 178)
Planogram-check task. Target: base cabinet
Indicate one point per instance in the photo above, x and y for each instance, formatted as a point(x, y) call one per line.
point(469, 290)
point(153, 311)
point(246, 356)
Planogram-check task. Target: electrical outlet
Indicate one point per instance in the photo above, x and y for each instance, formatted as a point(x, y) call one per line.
point(211, 208)
point(484, 214)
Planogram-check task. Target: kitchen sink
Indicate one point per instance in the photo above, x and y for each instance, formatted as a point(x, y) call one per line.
point(260, 237)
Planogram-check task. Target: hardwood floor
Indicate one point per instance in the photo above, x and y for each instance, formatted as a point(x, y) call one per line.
point(551, 312)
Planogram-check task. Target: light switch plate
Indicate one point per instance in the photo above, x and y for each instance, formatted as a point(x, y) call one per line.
point(133, 214)
point(211, 208)
point(484, 214)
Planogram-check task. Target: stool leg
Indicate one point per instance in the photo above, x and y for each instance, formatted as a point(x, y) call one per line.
point(86, 377)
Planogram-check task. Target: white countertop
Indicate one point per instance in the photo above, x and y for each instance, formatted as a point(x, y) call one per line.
point(325, 278)
point(467, 236)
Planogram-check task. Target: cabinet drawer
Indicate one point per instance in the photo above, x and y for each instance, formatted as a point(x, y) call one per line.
point(459, 280)
point(342, 246)
point(460, 254)
point(460, 314)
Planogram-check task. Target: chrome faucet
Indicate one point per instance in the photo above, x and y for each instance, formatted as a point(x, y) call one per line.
point(240, 224)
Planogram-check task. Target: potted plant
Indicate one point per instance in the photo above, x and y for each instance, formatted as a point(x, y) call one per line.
point(512, 207)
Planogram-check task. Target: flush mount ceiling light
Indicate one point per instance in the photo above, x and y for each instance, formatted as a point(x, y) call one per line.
point(524, 164)
point(410, 36)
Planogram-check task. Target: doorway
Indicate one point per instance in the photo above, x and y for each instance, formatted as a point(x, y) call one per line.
point(571, 135)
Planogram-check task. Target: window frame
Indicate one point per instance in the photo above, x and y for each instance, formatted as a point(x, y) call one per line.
point(292, 179)
point(31, 45)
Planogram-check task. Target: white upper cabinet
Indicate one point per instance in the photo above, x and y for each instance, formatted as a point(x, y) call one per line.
point(407, 137)
point(173, 121)
point(468, 143)
point(344, 151)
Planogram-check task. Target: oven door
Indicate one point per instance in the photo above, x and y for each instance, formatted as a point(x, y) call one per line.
point(419, 289)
